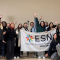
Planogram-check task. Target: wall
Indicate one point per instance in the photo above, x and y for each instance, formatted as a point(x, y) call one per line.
point(23, 10)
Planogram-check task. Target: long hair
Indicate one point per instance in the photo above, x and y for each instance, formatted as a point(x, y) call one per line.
point(44, 24)
point(11, 26)
point(52, 26)
point(53, 37)
point(5, 23)
point(18, 28)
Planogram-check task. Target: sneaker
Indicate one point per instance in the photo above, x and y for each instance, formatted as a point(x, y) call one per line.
point(17, 56)
point(14, 57)
point(39, 57)
point(43, 57)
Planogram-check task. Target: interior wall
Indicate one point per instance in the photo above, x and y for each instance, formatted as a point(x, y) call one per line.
point(23, 10)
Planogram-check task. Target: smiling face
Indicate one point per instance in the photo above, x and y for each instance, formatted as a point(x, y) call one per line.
point(20, 26)
point(12, 25)
point(42, 24)
point(25, 25)
point(4, 24)
point(51, 25)
point(55, 36)
point(31, 24)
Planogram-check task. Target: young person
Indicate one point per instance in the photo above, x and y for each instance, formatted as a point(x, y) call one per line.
point(4, 24)
point(25, 27)
point(39, 28)
point(53, 47)
point(18, 42)
point(58, 31)
point(11, 34)
point(51, 26)
point(33, 30)
point(1, 37)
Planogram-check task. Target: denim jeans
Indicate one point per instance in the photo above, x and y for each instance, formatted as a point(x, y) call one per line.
point(3, 49)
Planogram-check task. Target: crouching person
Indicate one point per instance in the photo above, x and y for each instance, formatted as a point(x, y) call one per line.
point(53, 47)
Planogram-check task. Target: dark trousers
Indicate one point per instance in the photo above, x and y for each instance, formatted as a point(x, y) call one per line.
point(0, 47)
point(10, 49)
point(3, 49)
point(17, 49)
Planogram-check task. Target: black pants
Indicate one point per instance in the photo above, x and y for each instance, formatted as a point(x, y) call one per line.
point(0, 47)
point(10, 49)
point(17, 49)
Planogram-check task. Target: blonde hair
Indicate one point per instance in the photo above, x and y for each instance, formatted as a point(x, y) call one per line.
point(1, 26)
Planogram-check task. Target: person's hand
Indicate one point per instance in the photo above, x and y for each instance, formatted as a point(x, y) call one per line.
point(15, 22)
point(35, 15)
point(4, 41)
point(52, 29)
point(16, 33)
point(27, 20)
point(4, 33)
point(1, 16)
point(45, 31)
point(56, 22)
point(46, 55)
point(56, 27)
point(41, 17)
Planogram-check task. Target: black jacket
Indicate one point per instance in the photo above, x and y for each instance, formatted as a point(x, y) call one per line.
point(11, 34)
point(52, 46)
point(5, 36)
point(1, 34)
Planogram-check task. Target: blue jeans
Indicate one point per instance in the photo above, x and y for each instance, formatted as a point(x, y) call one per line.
point(3, 49)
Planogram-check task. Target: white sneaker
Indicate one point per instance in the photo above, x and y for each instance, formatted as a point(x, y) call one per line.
point(39, 57)
point(14, 57)
point(43, 57)
point(17, 56)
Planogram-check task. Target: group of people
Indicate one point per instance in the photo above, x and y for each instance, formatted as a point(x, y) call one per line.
point(10, 39)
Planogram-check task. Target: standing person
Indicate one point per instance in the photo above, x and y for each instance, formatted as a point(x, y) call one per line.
point(53, 46)
point(39, 28)
point(5, 39)
point(25, 27)
point(46, 25)
point(11, 34)
point(1, 37)
point(51, 26)
point(58, 31)
point(18, 42)
point(33, 30)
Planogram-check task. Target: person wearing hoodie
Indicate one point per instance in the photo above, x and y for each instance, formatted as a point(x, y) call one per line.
point(11, 34)
point(4, 24)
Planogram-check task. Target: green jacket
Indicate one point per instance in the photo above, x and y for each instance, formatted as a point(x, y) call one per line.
point(38, 27)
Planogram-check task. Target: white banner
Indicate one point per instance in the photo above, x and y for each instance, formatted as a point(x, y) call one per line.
point(36, 41)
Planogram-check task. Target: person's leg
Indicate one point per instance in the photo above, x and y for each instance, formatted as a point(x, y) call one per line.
point(15, 52)
point(54, 55)
point(39, 55)
point(34, 55)
point(12, 49)
point(0, 47)
point(42, 54)
point(18, 52)
point(9, 49)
